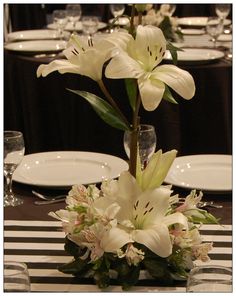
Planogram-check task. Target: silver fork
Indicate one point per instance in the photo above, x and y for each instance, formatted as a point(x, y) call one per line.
point(46, 197)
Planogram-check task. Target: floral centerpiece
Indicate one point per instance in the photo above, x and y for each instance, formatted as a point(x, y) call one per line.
point(134, 223)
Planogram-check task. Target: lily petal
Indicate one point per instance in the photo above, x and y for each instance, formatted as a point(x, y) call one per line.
point(123, 66)
point(115, 239)
point(151, 92)
point(63, 66)
point(179, 80)
point(176, 218)
point(156, 239)
point(157, 169)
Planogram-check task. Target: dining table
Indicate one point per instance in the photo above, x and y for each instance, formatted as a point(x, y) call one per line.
point(35, 238)
point(54, 119)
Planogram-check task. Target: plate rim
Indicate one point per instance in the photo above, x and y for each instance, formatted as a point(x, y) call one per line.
point(221, 55)
point(18, 178)
point(226, 22)
point(12, 35)
point(210, 157)
point(10, 44)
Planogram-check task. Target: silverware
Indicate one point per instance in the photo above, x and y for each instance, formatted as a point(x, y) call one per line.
point(49, 198)
point(209, 204)
point(48, 202)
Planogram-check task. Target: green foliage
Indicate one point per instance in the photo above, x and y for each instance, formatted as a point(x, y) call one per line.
point(168, 96)
point(103, 109)
point(173, 51)
point(131, 89)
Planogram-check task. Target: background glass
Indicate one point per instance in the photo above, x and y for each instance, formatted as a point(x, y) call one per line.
point(117, 9)
point(14, 149)
point(73, 12)
point(222, 10)
point(16, 277)
point(90, 24)
point(210, 278)
point(146, 143)
point(60, 20)
point(214, 28)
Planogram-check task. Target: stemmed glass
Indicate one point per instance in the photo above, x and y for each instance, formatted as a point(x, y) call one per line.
point(73, 14)
point(222, 10)
point(214, 28)
point(14, 150)
point(90, 25)
point(117, 9)
point(210, 278)
point(146, 143)
point(172, 8)
point(60, 20)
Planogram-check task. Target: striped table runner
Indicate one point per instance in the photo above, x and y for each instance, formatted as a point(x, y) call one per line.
point(40, 244)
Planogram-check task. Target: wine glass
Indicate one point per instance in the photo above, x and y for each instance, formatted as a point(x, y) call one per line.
point(60, 20)
point(117, 9)
point(73, 14)
point(210, 278)
point(222, 10)
point(214, 28)
point(146, 143)
point(90, 24)
point(14, 150)
point(16, 277)
point(171, 9)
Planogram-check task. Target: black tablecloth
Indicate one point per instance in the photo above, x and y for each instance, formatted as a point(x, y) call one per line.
point(52, 118)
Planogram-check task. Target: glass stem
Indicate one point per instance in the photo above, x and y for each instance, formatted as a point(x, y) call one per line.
point(8, 189)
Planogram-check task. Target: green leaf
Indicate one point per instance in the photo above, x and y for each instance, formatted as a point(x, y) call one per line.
point(103, 109)
point(168, 96)
point(131, 88)
point(127, 275)
point(173, 51)
point(76, 267)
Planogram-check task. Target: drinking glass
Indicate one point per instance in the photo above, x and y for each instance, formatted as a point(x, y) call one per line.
point(60, 20)
point(210, 278)
point(16, 277)
point(14, 150)
point(214, 28)
point(73, 12)
point(222, 10)
point(146, 143)
point(172, 8)
point(90, 24)
point(117, 9)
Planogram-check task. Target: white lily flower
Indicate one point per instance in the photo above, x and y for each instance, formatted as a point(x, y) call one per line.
point(140, 61)
point(84, 56)
point(155, 172)
point(146, 214)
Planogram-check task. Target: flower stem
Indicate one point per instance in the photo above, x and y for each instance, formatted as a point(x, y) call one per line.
point(112, 102)
point(134, 138)
point(131, 28)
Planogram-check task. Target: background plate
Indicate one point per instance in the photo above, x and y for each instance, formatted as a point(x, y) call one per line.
point(207, 172)
point(66, 168)
point(34, 35)
point(197, 21)
point(196, 55)
point(37, 46)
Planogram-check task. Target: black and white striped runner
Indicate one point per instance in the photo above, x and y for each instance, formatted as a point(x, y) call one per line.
point(40, 244)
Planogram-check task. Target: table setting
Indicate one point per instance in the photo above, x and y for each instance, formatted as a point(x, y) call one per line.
point(145, 219)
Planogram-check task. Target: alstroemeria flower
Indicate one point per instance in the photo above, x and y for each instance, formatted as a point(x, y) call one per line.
point(84, 56)
point(144, 217)
point(140, 61)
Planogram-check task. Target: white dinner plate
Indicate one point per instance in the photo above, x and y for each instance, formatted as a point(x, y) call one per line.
point(192, 31)
point(121, 21)
point(66, 168)
point(196, 55)
point(207, 172)
point(37, 46)
point(78, 26)
point(225, 38)
point(33, 35)
point(197, 21)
